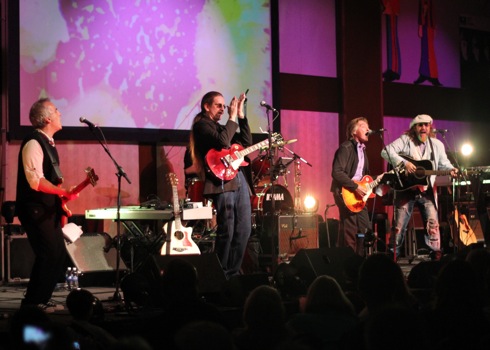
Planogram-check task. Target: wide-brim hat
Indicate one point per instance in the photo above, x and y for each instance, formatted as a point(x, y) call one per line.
point(421, 118)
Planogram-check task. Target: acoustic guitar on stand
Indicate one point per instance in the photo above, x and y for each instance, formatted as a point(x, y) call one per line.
point(225, 164)
point(91, 179)
point(466, 234)
point(178, 240)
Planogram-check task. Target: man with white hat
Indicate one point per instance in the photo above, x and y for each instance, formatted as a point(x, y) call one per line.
point(416, 148)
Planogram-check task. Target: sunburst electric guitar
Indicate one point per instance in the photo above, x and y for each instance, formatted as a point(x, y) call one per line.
point(355, 202)
point(91, 179)
point(178, 239)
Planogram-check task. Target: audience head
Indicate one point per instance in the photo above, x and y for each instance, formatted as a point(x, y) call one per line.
point(81, 303)
point(325, 294)
point(381, 281)
point(264, 309)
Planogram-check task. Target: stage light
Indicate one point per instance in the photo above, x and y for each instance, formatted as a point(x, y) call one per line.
point(466, 149)
point(310, 204)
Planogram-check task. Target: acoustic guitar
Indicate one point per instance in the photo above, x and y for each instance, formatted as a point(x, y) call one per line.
point(466, 234)
point(178, 239)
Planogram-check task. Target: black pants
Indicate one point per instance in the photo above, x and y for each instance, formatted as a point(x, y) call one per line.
point(44, 233)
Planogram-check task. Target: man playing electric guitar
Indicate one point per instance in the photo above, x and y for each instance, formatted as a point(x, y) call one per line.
point(350, 164)
point(38, 204)
point(417, 144)
point(231, 198)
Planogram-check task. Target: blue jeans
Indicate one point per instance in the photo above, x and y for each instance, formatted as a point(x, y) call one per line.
point(404, 204)
point(234, 220)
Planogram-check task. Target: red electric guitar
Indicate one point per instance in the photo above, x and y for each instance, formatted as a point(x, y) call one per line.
point(224, 164)
point(92, 179)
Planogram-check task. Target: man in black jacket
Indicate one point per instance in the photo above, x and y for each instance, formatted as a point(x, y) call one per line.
point(350, 164)
point(231, 198)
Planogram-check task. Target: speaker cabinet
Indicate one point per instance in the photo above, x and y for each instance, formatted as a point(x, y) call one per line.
point(294, 232)
point(335, 262)
point(209, 271)
point(18, 258)
point(98, 267)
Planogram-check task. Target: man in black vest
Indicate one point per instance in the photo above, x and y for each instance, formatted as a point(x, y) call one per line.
point(38, 204)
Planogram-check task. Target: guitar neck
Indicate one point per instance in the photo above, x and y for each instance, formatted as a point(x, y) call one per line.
point(175, 195)
point(81, 186)
point(437, 172)
point(252, 148)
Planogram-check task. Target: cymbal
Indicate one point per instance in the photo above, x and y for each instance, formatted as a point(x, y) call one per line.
point(110, 192)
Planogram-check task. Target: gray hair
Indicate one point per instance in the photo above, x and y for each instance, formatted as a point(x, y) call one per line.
point(39, 113)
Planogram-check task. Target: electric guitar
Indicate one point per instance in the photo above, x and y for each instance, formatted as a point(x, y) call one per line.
point(355, 202)
point(91, 179)
point(225, 164)
point(466, 234)
point(178, 239)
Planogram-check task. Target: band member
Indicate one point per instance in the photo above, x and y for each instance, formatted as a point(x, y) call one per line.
point(38, 203)
point(417, 144)
point(350, 164)
point(230, 198)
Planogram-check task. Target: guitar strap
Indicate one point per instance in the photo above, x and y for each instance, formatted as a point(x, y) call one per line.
point(50, 150)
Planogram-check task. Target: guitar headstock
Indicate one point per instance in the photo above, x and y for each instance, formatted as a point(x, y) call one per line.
point(91, 176)
point(173, 179)
point(277, 138)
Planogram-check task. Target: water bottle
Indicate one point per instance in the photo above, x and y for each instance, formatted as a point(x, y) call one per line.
point(68, 279)
point(75, 279)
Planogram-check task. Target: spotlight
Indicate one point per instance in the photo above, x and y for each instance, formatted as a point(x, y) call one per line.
point(466, 149)
point(310, 204)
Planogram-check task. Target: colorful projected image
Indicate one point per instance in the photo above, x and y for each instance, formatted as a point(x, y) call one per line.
point(143, 64)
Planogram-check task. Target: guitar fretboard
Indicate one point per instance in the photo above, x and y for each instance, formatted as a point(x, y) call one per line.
point(250, 149)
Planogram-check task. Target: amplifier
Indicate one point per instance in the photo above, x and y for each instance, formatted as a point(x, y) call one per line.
point(19, 258)
point(291, 233)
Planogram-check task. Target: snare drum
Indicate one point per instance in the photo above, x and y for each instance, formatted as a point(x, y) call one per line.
point(262, 202)
point(195, 190)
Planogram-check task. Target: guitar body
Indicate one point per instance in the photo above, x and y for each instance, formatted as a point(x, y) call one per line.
point(420, 177)
point(225, 164)
point(352, 200)
point(178, 240)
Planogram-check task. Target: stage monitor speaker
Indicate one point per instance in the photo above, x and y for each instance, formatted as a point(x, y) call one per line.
point(97, 266)
point(19, 258)
point(311, 263)
point(295, 232)
point(211, 276)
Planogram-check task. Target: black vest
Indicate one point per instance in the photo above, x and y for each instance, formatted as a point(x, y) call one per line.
point(25, 194)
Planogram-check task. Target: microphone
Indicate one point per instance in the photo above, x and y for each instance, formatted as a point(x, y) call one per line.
point(263, 104)
point(88, 122)
point(379, 131)
point(439, 131)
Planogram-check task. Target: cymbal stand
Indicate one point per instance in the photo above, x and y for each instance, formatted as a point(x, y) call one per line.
point(120, 173)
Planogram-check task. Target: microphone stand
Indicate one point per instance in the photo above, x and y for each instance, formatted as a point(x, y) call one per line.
point(397, 173)
point(120, 173)
point(274, 228)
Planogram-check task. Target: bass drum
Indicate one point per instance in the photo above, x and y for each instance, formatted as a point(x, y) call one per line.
point(195, 190)
point(262, 202)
